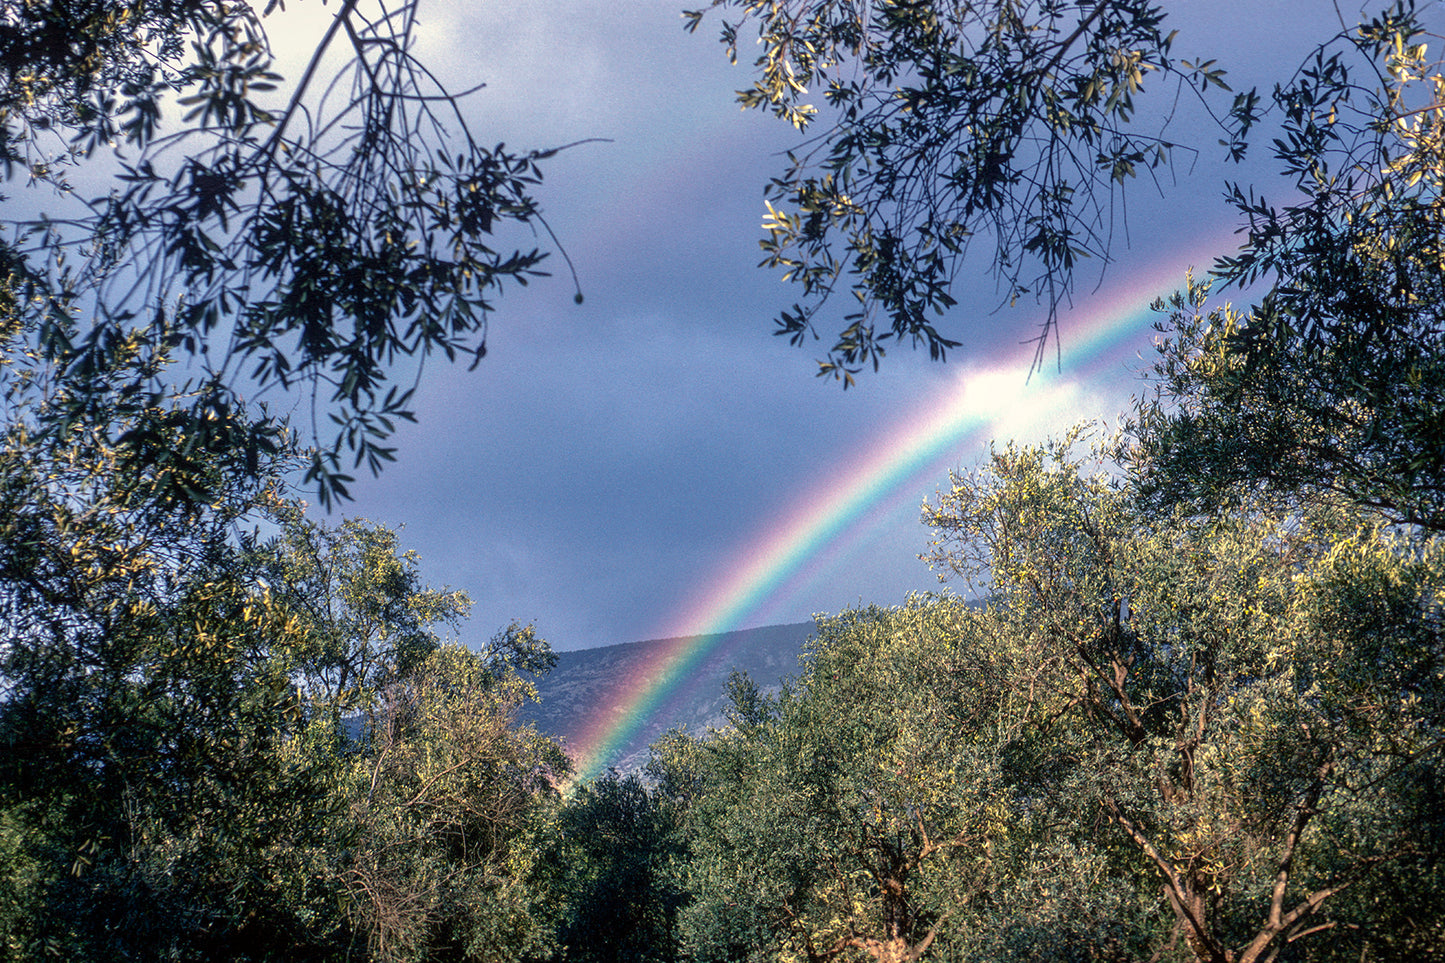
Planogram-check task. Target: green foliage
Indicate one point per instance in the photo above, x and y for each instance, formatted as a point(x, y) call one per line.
point(1165, 736)
point(63, 65)
point(359, 602)
point(182, 775)
point(329, 237)
point(853, 817)
point(1014, 125)
point(441, 800)
point(1199, 718)
point(1253, 702)
point(1292, 424)
point(1334, 381)
point(1002, 123)
point(179, 777)
point(518, 649)
point(151, 805)
point(150, 784)
point(603, 865)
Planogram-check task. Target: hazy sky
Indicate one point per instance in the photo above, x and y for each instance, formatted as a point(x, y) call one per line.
point(614, 471)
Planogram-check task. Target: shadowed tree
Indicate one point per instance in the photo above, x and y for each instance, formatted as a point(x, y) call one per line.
point(323, 235)
point(947, 127)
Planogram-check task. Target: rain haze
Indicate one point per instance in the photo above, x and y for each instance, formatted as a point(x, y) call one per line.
point(652, 462)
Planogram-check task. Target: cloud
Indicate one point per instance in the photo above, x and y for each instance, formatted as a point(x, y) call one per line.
point(609, 464)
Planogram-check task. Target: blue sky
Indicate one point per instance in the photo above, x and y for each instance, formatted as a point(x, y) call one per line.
point(607, 462)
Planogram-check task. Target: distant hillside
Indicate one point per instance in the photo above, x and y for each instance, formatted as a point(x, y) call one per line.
point(590, 680)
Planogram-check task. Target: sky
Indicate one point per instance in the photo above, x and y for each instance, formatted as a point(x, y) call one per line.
point(653, 462)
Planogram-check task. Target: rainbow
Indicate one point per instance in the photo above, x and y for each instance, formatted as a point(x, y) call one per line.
point(974, 406)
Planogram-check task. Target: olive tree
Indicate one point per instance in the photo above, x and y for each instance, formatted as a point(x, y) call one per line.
point(946, 126)
point(323, 233)
point(1245, 706)
point(1333, 382)
point(937, 128)
point(1155, 734)
point(442, 802)
point(859, 815)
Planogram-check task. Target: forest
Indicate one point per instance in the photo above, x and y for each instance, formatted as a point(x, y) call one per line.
point(1180, 695)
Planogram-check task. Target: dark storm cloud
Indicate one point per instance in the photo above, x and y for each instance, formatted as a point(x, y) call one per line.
point(605, 460)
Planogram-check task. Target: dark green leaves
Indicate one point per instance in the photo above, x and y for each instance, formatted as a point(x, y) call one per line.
point(1005, 123)
point(327, 243)
point(1333, 381)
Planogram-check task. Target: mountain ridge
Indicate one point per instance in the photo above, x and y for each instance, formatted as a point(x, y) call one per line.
point(601, 682)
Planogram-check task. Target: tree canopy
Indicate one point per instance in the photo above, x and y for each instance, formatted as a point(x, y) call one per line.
point(257, 750)
point(323, 234)
point(1158, 736)
point(1016, 127)
point(946, 127)
point(1332, 382)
